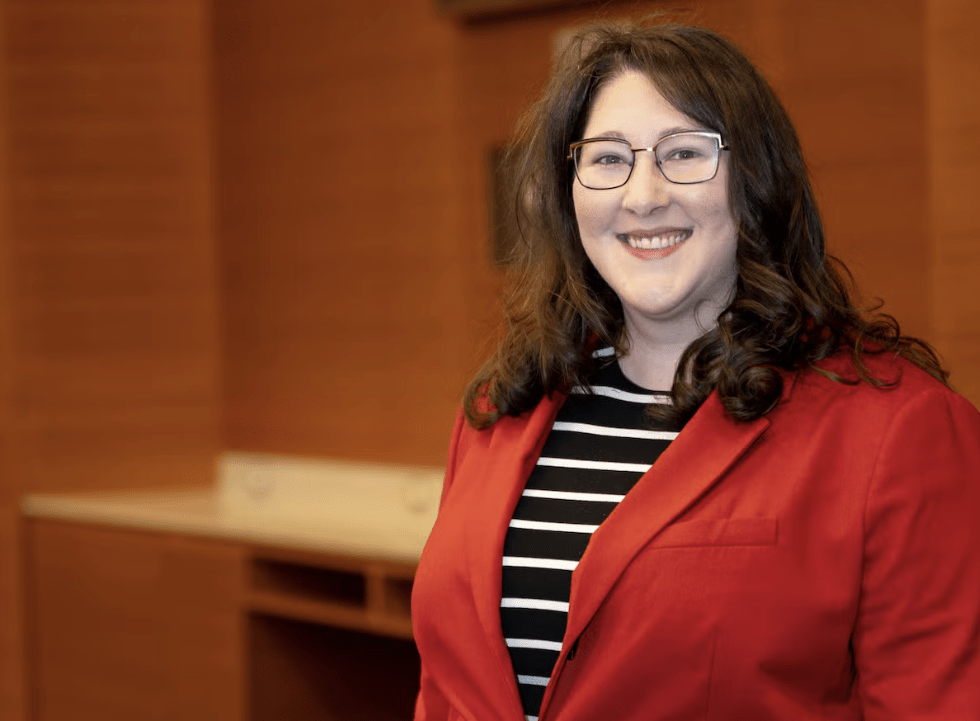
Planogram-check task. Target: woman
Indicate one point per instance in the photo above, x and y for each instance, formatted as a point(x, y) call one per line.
point(694, 482)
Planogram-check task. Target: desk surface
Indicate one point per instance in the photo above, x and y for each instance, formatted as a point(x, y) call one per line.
point(198, 512)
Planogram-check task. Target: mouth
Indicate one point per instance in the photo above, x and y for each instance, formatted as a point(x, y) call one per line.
point(654, 240)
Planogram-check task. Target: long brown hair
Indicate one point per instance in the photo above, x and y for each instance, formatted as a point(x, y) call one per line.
point(792, 306)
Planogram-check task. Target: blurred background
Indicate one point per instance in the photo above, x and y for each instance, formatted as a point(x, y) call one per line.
point(262, 225)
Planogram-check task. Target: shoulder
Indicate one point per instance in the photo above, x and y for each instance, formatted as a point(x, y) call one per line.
point(896, 382)
point(507, 434)
point(506, 425)
point(911, 421)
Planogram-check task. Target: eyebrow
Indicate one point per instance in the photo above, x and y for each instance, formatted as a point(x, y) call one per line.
point(668, 131)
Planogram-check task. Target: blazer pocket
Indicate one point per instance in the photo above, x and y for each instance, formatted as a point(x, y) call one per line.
point(721, 532)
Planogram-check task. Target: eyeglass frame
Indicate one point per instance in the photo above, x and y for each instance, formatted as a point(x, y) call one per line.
point(652, 149)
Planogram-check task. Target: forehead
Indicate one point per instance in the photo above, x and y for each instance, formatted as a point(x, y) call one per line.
point(630, 104)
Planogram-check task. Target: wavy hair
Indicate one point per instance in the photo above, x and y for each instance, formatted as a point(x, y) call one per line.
point(792, 305)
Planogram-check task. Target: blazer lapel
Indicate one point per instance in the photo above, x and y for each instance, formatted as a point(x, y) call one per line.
point(497, 477)
point(707, 446)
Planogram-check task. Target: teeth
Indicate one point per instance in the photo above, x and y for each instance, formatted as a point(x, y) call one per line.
point(657, 242)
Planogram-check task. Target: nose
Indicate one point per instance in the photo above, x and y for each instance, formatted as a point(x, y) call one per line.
point(647, 189)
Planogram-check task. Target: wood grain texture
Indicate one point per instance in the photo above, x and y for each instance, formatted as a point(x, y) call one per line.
point(953, 61)
point(134, 625)
point(344, 274)
point(861, 118)
point(108, 291)
point(13, 640)
point(113, 295)
point(13, 701)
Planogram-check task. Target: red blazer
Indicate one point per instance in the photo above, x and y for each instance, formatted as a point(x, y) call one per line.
point(822, 562)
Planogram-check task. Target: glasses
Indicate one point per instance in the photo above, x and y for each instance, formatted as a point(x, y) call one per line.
point(685, 158)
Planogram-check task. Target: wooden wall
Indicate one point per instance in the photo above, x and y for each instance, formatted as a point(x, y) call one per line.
point(952, 61)
point(261, 224)
point(114, 304)
point(108, 303)
point(344, 267)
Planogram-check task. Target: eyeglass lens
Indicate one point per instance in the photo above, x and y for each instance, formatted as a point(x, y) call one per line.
point(684, 158)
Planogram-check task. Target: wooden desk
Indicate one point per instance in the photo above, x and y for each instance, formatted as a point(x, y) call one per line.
point(154, 606)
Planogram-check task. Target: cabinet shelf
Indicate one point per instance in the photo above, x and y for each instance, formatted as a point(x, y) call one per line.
point(326, 614)
point(362, 595)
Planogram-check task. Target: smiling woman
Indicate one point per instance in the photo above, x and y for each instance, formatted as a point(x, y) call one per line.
point(694, 480)
point(667, 249)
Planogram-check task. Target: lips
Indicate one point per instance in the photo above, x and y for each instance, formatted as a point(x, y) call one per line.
point(658, 239)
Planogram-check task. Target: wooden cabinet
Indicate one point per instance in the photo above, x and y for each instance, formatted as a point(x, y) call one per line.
point(128, 624)
point(131, 625)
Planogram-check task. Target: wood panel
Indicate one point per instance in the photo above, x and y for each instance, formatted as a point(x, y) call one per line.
point(344, 274)
point(131, 625)
point(114, 300)
point(861, 117)
point(12, 669)
point(108, 292)
point(954, 174)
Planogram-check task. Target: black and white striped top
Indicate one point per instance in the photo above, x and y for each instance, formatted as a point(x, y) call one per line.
point(599, 446)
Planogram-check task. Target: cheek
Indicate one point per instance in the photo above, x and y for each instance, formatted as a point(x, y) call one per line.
point(592, 213)
point(713, 204)
point(716, 218)
point(722, 205)
point(580, 205)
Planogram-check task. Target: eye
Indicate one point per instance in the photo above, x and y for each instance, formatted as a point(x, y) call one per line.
point(687, 149)
point(610, 159)
point(605, 154)
point(684, 154)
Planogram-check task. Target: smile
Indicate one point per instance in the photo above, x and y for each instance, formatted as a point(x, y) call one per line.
point(650, 241)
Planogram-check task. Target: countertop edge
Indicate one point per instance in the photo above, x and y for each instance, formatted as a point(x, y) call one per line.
point(196, 512)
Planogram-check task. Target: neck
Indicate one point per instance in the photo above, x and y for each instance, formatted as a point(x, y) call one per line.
point(655, 352)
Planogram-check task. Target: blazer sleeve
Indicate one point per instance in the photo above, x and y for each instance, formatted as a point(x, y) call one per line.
point(917, 634)
point(430, 704)
point(454, 453)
